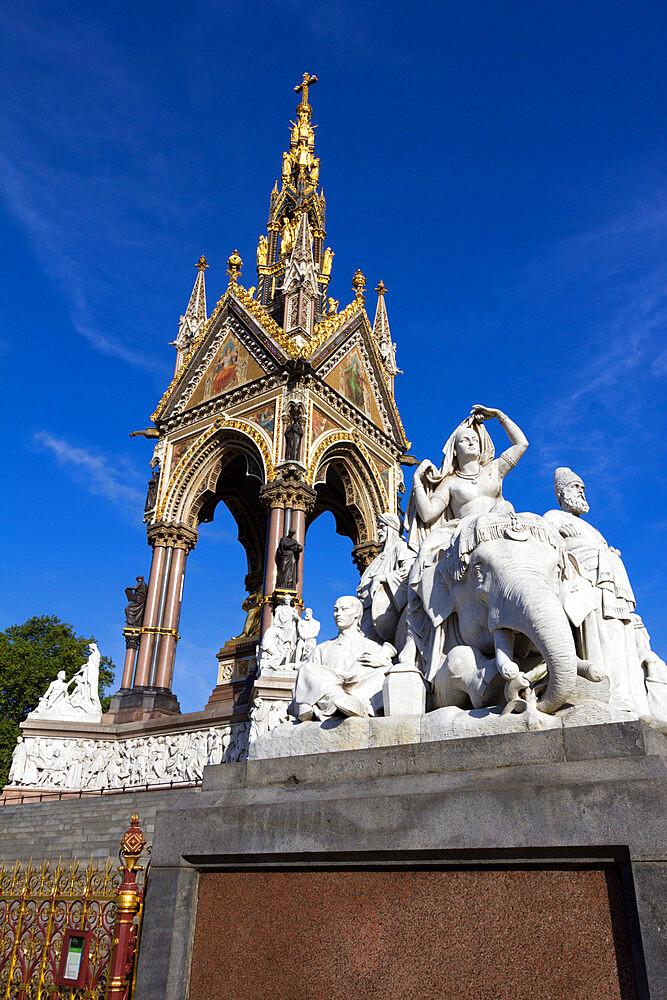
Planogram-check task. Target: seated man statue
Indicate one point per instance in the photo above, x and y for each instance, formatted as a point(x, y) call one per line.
point(344, 674)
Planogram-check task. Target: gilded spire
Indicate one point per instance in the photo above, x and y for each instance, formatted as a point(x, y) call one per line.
point(382, 333)
point(300, 271)
point(195, 314)
point(300, 176)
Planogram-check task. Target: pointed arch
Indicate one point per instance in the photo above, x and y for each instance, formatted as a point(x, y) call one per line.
point(228, 464)
point(348, 485)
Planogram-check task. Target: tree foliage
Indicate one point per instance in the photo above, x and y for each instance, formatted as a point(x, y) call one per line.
point(30, 657)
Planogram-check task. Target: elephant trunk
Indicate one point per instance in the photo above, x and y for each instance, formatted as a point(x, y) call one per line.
point(531, 608)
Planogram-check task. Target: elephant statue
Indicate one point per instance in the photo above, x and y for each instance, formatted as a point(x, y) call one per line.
point(493, 597)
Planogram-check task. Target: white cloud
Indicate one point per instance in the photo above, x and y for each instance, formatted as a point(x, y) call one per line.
point(98, 473)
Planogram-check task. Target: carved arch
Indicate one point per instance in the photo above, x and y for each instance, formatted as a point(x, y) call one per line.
point(228, 465)
point(348, 486)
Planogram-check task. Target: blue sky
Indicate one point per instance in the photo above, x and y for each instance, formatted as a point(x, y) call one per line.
point(499, 165)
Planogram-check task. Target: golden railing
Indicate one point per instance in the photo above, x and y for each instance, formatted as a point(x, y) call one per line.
point(39, 903)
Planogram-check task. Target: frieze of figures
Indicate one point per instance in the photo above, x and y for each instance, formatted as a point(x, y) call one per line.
point(71, 764)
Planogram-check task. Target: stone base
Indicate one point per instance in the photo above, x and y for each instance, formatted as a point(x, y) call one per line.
point(527, 865)
point(141, 703)
point(299, 738)
point(236, 668)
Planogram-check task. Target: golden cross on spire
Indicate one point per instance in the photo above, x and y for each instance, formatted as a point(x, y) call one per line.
point(307, 82)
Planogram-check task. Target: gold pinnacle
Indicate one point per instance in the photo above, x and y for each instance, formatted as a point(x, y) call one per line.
point(201, 263)
point(234, 265)
point(381, 288)
point(359, 284)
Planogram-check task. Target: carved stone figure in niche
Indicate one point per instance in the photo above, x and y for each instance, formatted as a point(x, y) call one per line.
point(344, 674)
point(383, 589)
point(308, 629)
point(151, 495)
point(294, 433)
point(253, 611)
point(279, 641)
point(601, 602)
point(134, 612)
point(287, 561)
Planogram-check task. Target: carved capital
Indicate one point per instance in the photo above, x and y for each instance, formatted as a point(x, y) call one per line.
point(132, 637)
point(175, 536)
point(364, 553)
point(289, 489)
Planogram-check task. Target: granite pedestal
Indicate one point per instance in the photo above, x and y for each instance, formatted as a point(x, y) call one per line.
point(522, 865)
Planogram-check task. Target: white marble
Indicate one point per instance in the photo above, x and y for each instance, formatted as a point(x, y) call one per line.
point(601, 601)
point(278, 645)
point(404, 691)
point(308, 629)
point(345, 674)
point(62, 701)
point(69, 764)
point(383, 588)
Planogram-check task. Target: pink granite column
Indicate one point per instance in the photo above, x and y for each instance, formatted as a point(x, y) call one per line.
point(274, 533)
point(142, 671)
point(170, 619)
point(299, 525)
point(128, 667)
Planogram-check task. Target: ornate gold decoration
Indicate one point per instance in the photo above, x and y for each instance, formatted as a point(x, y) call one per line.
point(222, 423)
point(234, 265)
point(327, 261)
point(332, 306)
point(132, 844)
point(358, 286)
point(38, 903)
point(381, 288)
point(187, 358)
point(201, 263)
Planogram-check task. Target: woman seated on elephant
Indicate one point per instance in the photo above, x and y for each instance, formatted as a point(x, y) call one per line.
point(469, 483)
point(470, 479)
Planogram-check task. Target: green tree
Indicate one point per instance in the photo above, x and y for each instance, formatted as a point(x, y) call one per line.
point(30, 657)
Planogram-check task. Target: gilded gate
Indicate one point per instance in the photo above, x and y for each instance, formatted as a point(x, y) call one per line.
point(39, 903)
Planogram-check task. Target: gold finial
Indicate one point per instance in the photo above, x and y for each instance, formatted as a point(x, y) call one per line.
point(307, 82)
point(359, 285)
point(132, 844)
point(381, 288)
point(201, 263)
point(234, 265)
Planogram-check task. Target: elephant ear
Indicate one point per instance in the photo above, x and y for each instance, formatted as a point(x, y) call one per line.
point(437, 593)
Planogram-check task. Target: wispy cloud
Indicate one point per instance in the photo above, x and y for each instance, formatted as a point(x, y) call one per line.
point(99, 474)
point(612, 385)
point(80, 173)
